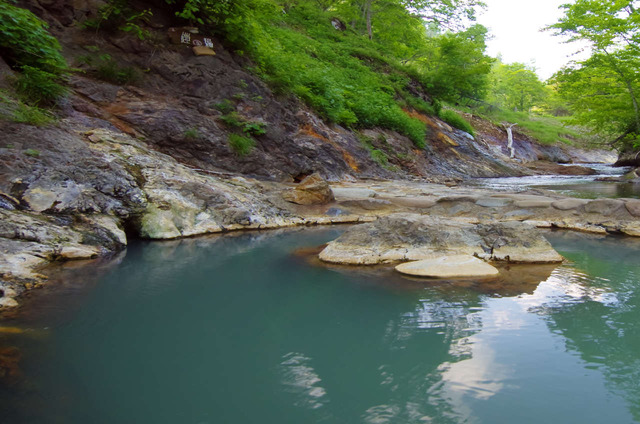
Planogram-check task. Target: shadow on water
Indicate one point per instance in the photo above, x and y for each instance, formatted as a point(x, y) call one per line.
point(238, 329)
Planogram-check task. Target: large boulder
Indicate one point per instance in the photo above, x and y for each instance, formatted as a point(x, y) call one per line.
point(403, 237)
point(313, 190)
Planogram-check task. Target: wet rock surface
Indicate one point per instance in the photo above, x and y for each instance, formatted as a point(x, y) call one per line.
point(456, 266)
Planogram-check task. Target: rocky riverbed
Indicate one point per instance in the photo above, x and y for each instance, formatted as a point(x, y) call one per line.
point(173, 200)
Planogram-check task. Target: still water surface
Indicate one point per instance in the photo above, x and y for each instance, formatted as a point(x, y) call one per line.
point(238, 329)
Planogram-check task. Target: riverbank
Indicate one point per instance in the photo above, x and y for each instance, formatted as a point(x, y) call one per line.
point(215, 204)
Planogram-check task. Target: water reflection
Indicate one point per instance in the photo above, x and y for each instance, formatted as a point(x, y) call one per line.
point(299, 377)
point(237, 329)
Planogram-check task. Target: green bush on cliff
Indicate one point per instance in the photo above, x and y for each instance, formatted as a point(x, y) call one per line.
point(27, 46)
point(240, 144)
point(456, 121)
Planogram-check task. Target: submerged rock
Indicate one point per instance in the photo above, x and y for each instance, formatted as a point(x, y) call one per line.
point(456, 266)
point(402, 237)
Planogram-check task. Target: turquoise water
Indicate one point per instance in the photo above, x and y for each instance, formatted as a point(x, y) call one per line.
point(240, 329)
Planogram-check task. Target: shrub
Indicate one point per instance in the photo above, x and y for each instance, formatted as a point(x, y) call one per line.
point(27, 46)
point(456, 121)
point(38, 87)
point(379, 157)
point(254, 128)
point(240, 144)
point(225, 106)
point(192, 133)
point(32, 153)
point(107, 69)
point(233, 120)
point(31, 115)
point(24, 40)
point(16, 111)
point(117, 14)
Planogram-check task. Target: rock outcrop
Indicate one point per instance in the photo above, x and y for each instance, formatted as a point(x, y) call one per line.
point(403, 237)
point(313, 190)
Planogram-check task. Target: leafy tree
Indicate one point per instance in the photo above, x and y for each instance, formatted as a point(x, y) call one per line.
point(456, 67)
point(604, 90)
point(515, 86)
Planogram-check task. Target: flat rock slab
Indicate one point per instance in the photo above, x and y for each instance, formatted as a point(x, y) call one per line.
point(457, 266)
point(352, 193)
point(533, 203)
point(604, 207)
point(367, 204)
point(493, 202)
point(402, 237)
point(417, 202)
point(569, 204)
point(633, 207)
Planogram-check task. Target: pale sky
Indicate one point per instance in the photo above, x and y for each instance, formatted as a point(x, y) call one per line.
point(515, 26)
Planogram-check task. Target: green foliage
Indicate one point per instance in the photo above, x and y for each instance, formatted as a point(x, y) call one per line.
point(515, 86)
point(31, 115)
point(27, 46)
point(32, 153)
point(240, 144)
point(455, 67)
point(118, 15)
point(25, 41)
point(603, 91)
point(456, 121)
point(104, 67)
point(361, 77)
point(225, 106)
point(38, 87)
point(379, 157)
point(192, 133)
point(235, 120)
point(254, 128)
point(545, 129)
point(14, 110)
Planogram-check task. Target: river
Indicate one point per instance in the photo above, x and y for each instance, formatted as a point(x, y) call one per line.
point(245, 328)
point(583, 186)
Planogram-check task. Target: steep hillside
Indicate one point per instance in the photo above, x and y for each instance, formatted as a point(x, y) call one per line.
point(188, 106)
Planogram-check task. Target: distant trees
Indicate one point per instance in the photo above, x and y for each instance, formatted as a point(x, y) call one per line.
point(515, 86)
point(604, 90)
point(456, 66)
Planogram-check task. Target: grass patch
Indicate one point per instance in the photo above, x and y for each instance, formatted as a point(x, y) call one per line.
point(455, 120)
point(32, 153)
point(14, 110)
point(235, 120)
point(240, 144)
point(106, 68)
point(380, 157)
point(192, 134)
point(545, 129)
point(226, 106)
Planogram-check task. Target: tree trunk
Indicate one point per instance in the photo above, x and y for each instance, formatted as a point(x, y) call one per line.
point(368, 18)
